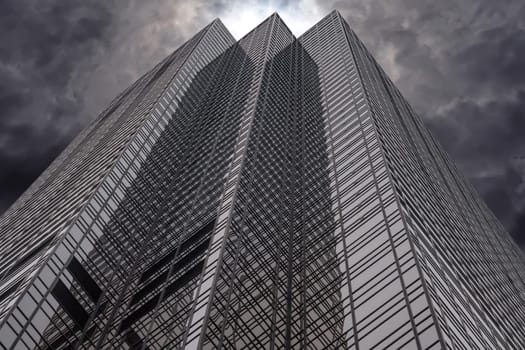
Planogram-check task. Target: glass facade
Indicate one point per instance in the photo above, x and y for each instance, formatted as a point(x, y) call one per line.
point(275, 192)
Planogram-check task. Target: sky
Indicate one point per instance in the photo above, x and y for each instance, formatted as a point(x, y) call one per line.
point(460, 64)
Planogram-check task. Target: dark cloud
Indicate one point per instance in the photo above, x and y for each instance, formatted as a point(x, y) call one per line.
point(460, 64)
point(42, 43)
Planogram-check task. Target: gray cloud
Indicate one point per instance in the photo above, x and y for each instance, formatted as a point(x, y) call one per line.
point(40, 49)
point(458, 63)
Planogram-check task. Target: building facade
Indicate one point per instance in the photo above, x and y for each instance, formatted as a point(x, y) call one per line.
point(274, 192)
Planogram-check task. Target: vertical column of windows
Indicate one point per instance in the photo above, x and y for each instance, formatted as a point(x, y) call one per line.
point(459, 218)
point(260, 45)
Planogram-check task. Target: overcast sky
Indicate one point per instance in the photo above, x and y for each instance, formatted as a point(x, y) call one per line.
point(461, 64)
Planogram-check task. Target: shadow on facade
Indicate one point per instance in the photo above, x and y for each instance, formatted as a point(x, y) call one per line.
point(149, 255)
point(279, 280)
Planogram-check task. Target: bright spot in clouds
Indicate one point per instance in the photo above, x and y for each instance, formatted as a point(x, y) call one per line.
point(243, 16)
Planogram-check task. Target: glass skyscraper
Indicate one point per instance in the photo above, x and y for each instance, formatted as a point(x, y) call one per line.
point(271, 193)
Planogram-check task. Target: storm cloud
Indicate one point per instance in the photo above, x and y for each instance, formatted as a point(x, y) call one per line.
point(460, 64)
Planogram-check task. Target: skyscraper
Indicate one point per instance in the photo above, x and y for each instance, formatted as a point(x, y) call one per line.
point(275, 192)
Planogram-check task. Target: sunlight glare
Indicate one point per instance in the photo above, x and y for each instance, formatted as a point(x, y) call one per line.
point(243, 16)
